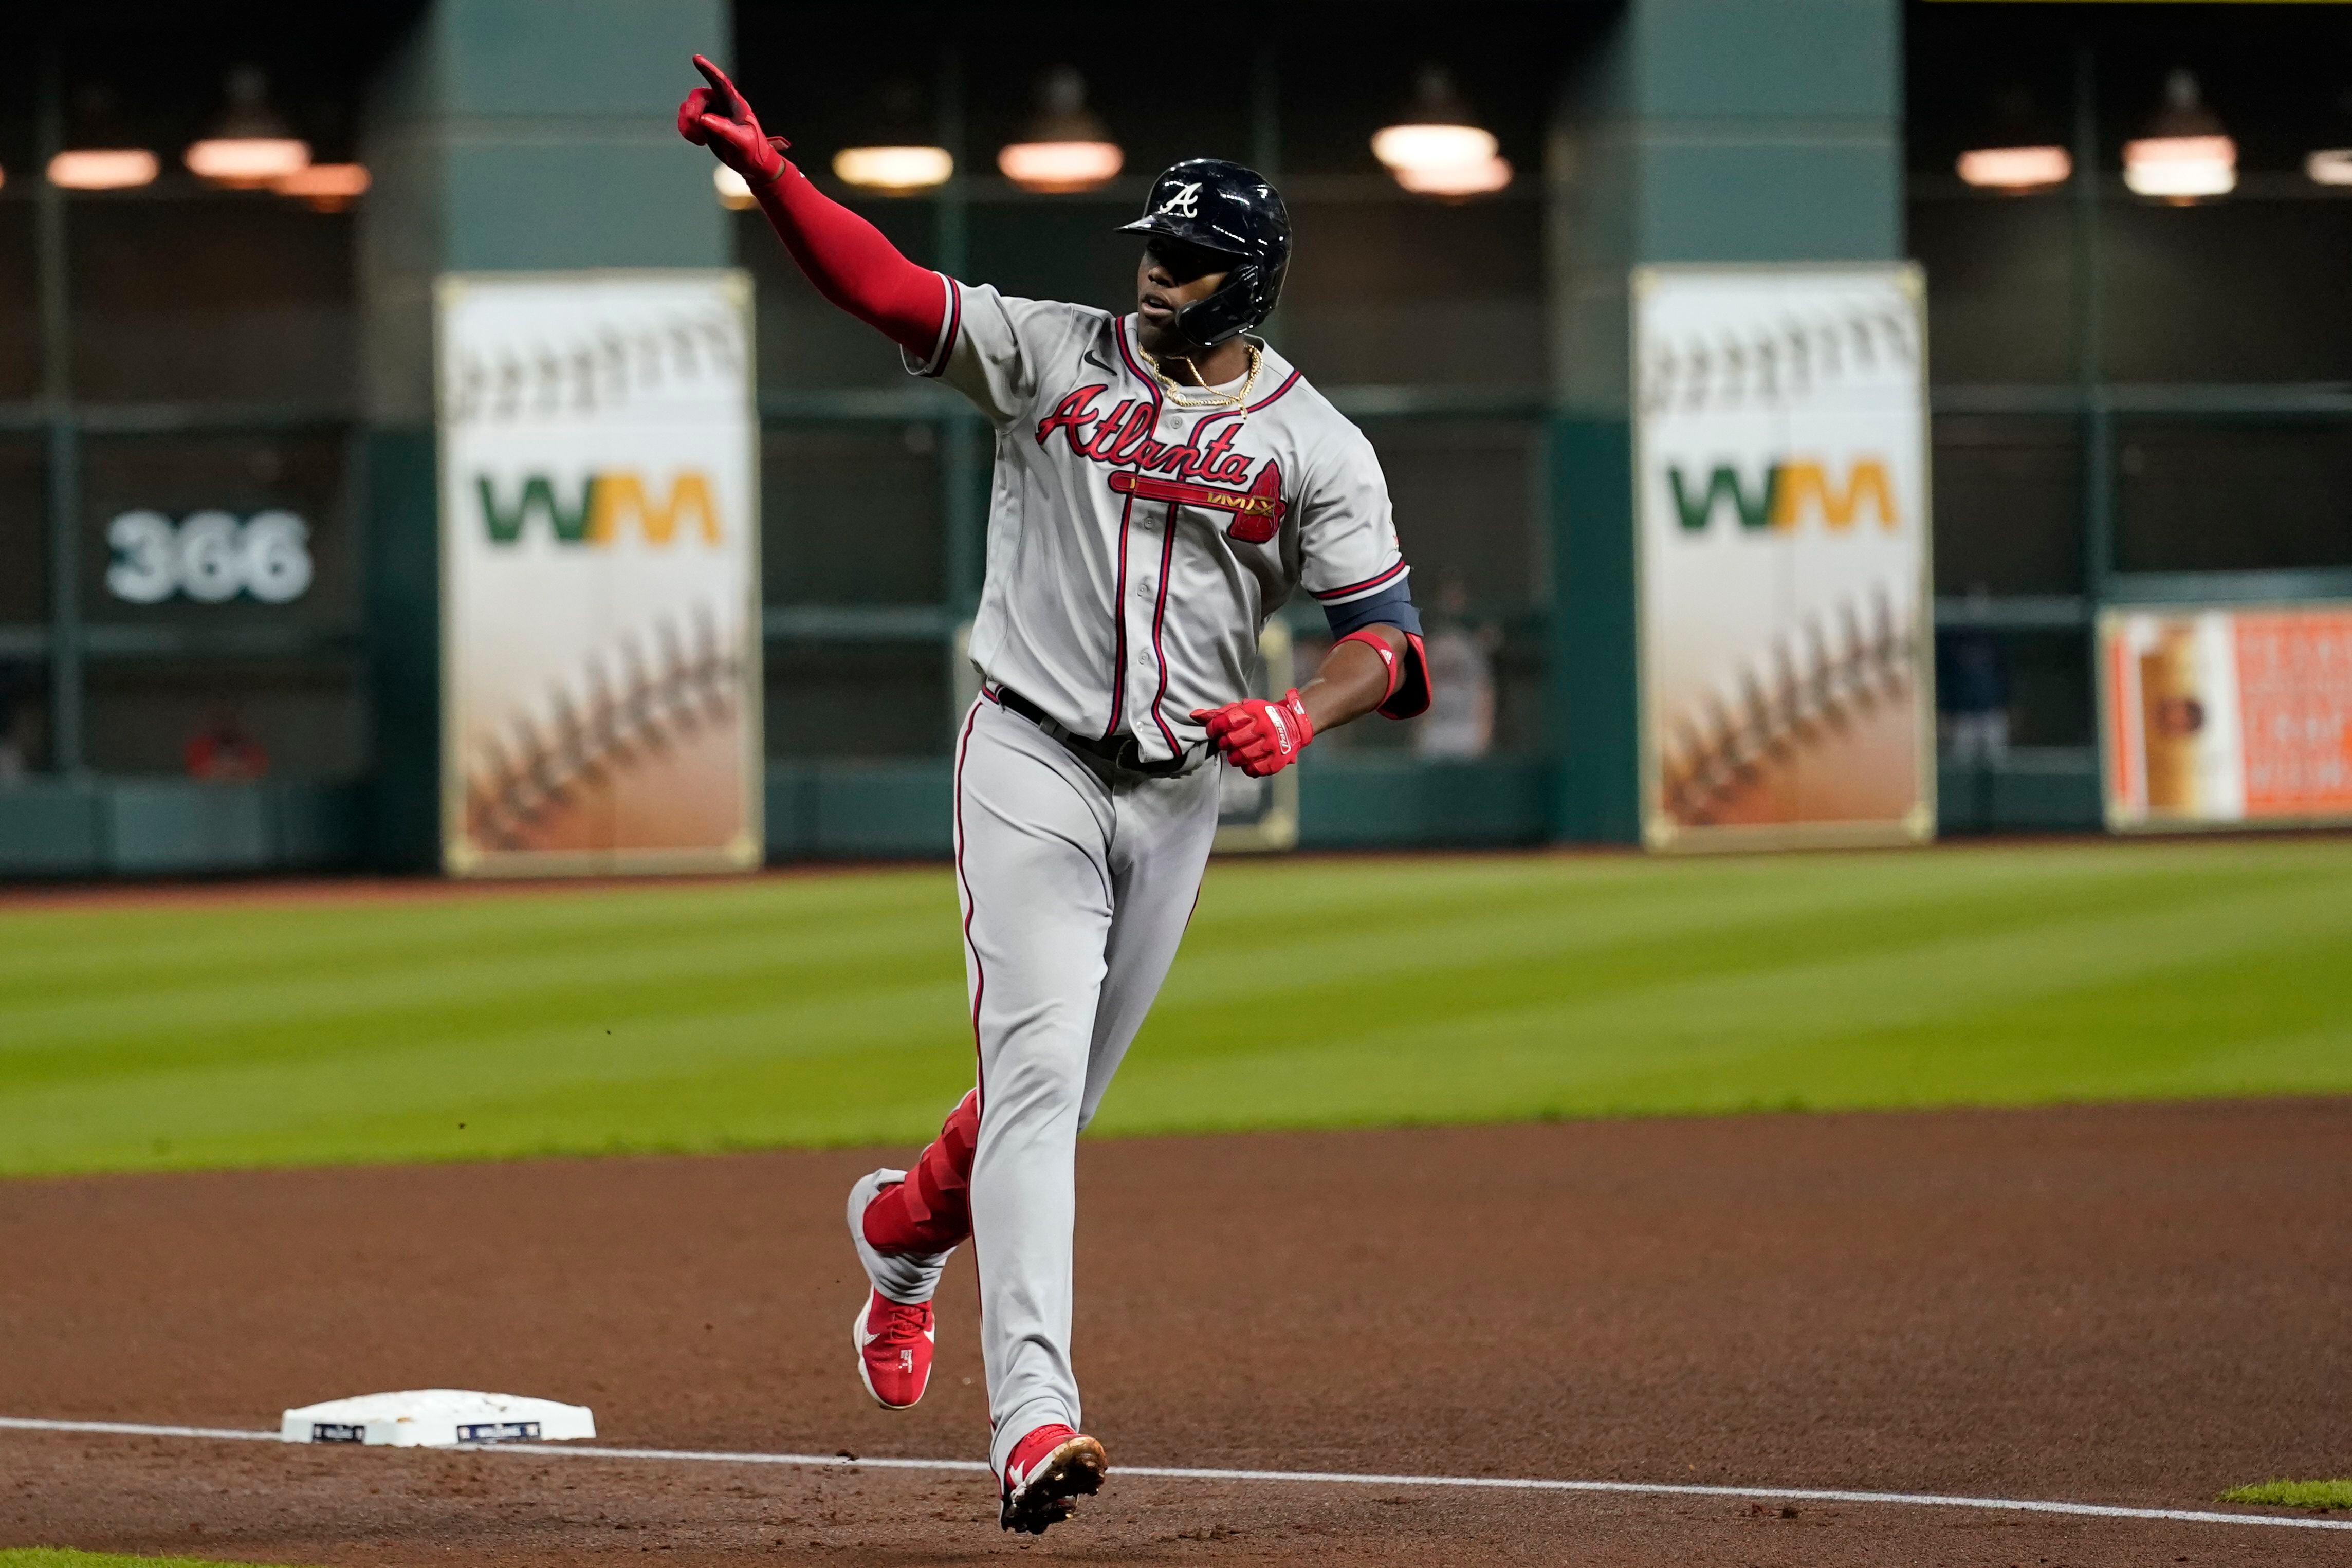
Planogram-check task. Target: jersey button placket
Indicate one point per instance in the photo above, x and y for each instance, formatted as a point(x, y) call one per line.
point(1140, 639)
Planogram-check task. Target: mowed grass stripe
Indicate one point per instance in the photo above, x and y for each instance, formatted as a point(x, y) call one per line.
point(2072, 1010)
point(1791, 969)
point(422, 1083)
point(306, 1018)
point(269, 944)
point(831, 1010)
point(251, 986)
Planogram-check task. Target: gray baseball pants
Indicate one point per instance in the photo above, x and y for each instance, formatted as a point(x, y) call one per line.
point(1077, 880)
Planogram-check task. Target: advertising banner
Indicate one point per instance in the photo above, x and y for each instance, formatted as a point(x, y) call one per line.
point(1780, 475)
point(2227, 716)
point(601, 650)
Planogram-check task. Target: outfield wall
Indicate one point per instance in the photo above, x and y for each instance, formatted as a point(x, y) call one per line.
point(885, 811)
point(816, 811)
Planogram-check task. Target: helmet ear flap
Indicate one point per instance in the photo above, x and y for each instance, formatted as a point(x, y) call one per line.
point(1245, 299)
point(1232, 309)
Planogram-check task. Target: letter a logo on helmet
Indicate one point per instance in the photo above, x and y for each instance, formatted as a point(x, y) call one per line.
point(1222, 207)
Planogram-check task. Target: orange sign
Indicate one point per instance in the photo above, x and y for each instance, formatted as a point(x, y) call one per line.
point(2294, 686)
point(2226, 716)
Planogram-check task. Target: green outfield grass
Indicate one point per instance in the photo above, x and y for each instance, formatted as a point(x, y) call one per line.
point(830, 1008)
point(2325, 1495)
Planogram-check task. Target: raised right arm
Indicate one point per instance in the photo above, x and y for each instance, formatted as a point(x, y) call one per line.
point(846, 257)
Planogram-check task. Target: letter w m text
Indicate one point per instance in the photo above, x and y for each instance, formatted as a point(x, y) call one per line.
point(609, 503)
point(1797, 484)
point(620, 497)
point(537, 495)
point(1785, 493)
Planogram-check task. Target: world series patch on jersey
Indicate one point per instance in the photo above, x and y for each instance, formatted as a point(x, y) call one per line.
point(1137, 543)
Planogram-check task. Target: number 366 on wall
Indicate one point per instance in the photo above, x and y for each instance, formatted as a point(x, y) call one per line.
point(210, 557)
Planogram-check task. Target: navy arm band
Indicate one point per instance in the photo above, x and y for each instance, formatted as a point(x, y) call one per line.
point(1391, 606)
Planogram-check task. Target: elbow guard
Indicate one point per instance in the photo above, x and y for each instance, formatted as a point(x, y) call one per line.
point(1408, 693)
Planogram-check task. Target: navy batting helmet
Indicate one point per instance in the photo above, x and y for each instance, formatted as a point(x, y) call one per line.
point(1222, 207)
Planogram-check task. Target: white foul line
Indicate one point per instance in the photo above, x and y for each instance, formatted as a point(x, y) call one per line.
point(135, 1429)
point(1295, 1477)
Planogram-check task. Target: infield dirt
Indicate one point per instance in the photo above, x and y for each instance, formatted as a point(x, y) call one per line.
point(2133, 1305)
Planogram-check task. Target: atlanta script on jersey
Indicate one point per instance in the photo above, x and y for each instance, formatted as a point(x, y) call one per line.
point(1136, 549)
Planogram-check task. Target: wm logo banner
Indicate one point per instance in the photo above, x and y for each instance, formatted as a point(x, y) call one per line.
point(601, 649)
point(1781, 520)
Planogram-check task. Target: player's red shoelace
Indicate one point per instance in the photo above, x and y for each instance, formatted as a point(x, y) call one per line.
point(894, 1349)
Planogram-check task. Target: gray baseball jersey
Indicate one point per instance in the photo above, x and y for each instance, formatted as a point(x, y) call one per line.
point(1135, 550)
point(1136, 547)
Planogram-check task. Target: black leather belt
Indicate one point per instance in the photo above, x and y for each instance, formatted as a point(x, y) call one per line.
point(1121, 753)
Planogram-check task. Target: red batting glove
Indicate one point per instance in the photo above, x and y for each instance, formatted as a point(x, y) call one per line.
point(716, 117)
point(1258, 736)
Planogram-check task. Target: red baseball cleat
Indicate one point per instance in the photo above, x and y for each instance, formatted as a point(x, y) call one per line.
point(1050, 1467)
point(894, 1350)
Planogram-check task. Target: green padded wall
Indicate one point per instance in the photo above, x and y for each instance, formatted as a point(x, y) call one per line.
point(504, 135)
point(1696, 131)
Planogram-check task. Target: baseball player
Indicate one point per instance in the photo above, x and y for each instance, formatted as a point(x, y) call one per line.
point(1165, 481)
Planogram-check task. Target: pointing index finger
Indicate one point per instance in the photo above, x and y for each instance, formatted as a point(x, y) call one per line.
point(728, 97)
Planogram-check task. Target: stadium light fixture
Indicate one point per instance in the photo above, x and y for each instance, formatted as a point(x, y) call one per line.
point(103, 169)
point(2019, 170)
point(2015, 151)
point(100, 154)
point(1458, 180)
point(1066, 147)
point(249, 146)
point(902, 157)
point(327, 187)
point(2329, 166)
point(1438, 148)
point(894, 170)
point(2186, 156)
point(734, 193)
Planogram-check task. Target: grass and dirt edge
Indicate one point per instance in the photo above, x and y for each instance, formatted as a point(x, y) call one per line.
point(67, 1557)
point(2276, 1493)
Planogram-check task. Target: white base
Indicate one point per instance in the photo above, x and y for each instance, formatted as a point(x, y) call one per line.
point(436, 1419)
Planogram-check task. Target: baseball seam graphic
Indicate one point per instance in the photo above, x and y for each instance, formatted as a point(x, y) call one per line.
point(1775, 364)
point(636, 697)
point(594, 372)
point(1787, 701)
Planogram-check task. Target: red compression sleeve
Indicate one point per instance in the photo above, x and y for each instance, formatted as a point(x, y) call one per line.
point(931, 1211)
point(853, 266)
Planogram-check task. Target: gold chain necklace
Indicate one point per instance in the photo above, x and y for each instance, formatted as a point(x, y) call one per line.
point(1215, 399)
